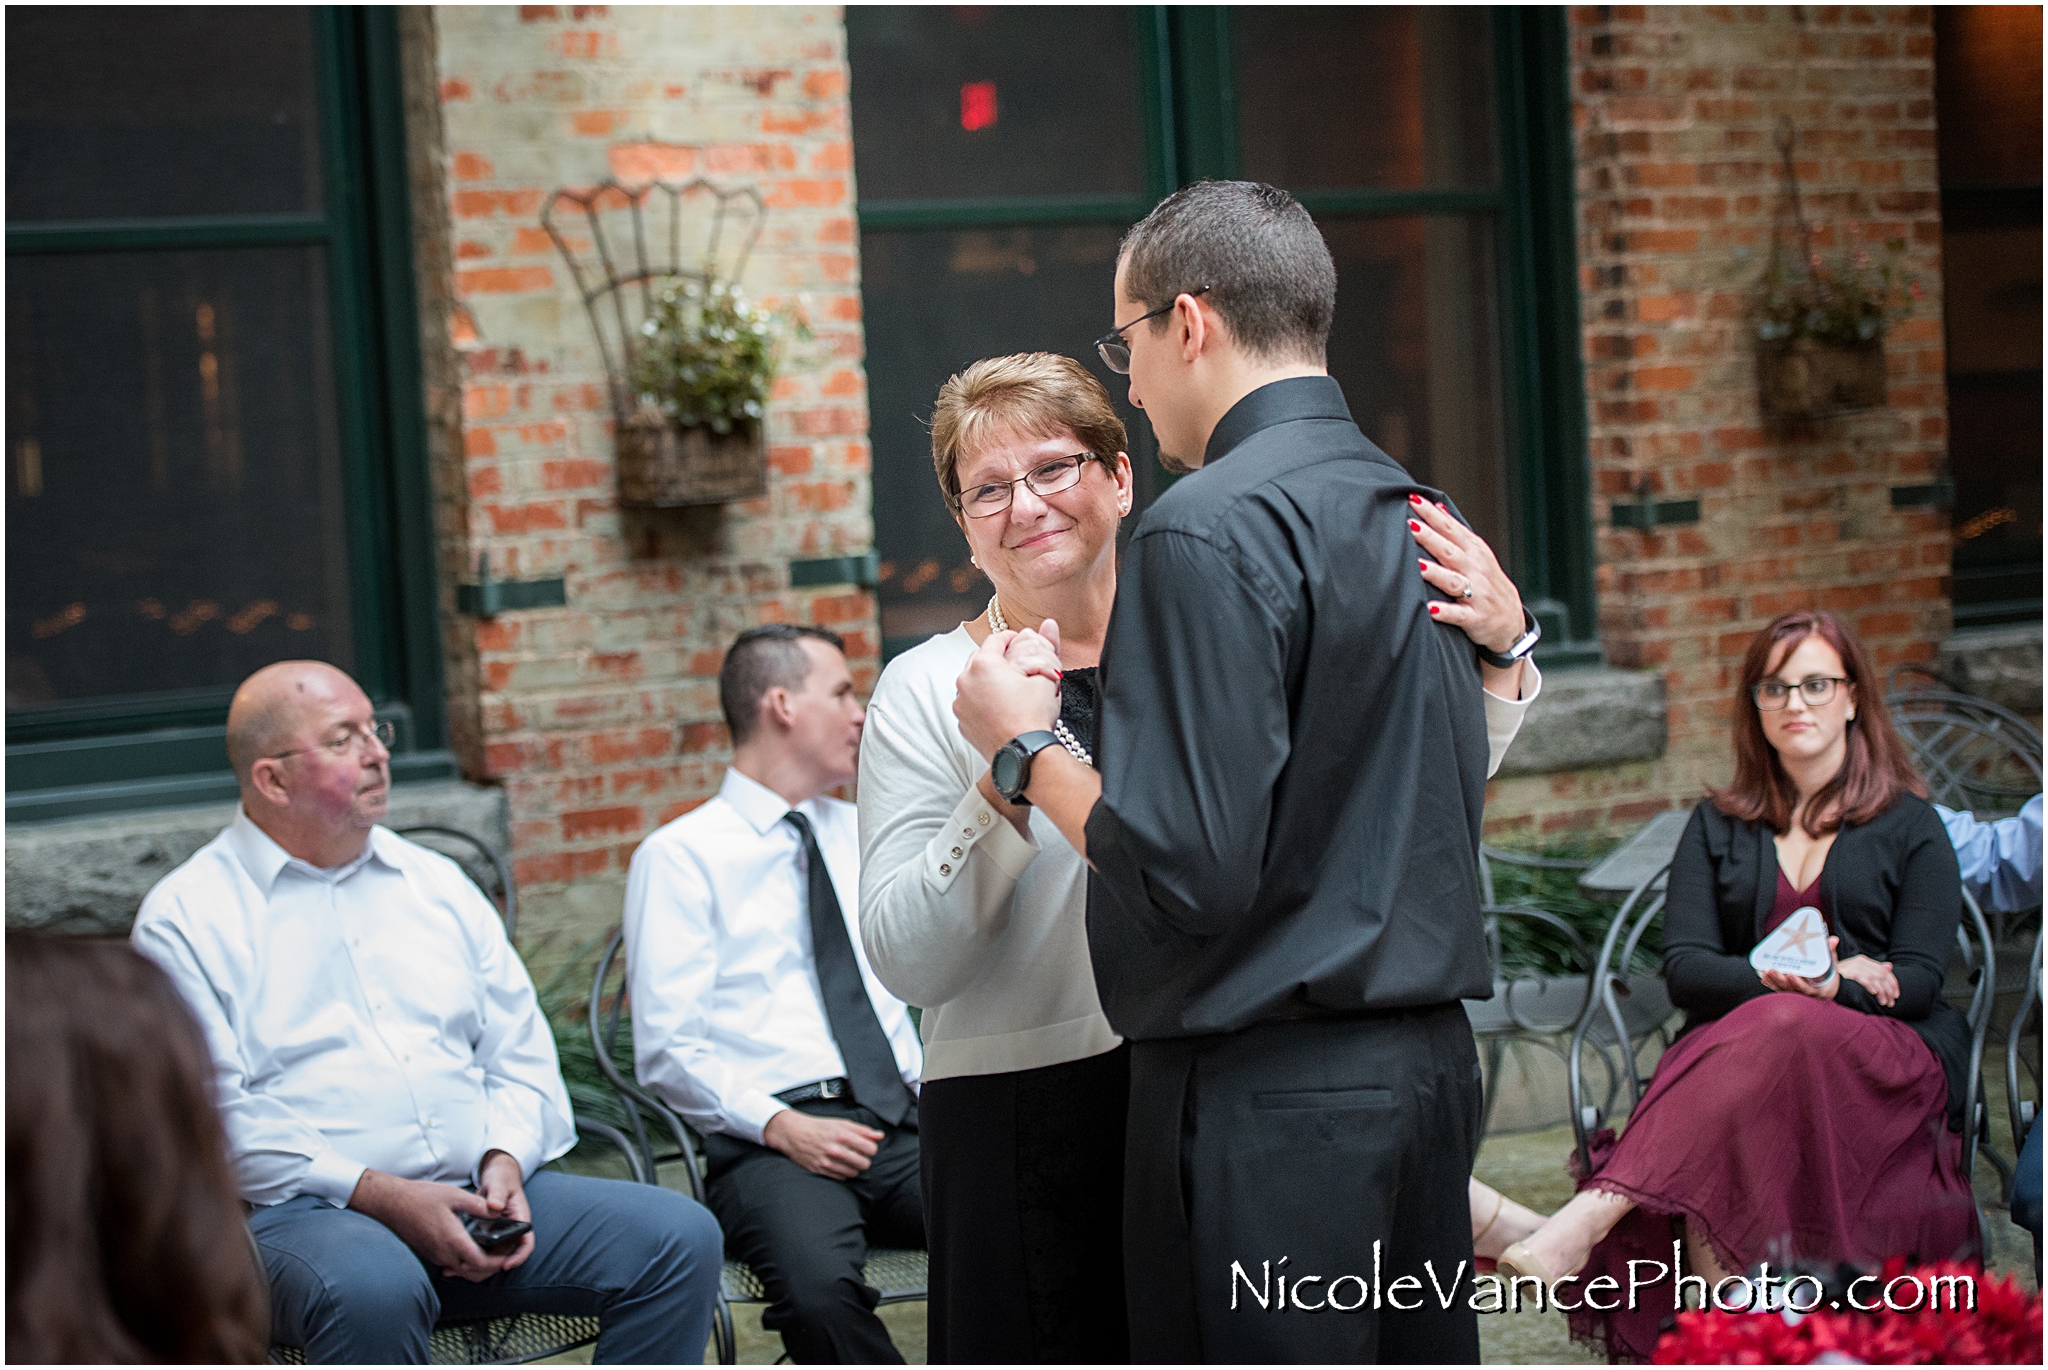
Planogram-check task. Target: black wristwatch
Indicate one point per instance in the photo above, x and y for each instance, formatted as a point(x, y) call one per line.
point(1532, 633)
point(1010, 768)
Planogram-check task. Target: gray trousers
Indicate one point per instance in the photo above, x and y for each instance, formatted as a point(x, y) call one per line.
point(644, 1260)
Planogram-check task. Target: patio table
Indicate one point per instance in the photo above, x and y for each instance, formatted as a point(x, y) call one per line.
point(1648, 852)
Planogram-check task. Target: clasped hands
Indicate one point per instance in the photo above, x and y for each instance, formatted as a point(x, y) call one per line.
point(1875, 976)
point(1011, 687)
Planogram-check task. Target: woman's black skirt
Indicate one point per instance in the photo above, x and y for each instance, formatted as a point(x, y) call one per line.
point(1023, 1203)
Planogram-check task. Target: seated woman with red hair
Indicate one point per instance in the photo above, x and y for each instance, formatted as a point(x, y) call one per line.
point(1794, 1118)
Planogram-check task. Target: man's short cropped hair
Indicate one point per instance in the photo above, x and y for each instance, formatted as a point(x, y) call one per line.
point(1262, 257)
point(761, 659)
point(1030, 393)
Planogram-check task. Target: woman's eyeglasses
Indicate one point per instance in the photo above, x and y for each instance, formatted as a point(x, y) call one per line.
point(1115, 352)
point(1816, 690)
point(1046, 478)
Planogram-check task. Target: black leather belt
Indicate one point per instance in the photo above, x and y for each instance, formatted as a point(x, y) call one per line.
point(817, 1089)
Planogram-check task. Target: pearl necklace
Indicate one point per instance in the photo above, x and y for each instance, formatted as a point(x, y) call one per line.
point(1059, 725)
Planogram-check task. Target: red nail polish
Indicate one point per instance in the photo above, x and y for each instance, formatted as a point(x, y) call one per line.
point(1415, 499)
point(1413, 526)
point(1423, 565)
point(1432, 611)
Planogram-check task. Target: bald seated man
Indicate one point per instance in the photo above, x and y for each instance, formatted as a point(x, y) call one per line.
point(384, 1072)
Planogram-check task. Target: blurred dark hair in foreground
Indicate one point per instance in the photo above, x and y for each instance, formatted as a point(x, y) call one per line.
point(126, 1240)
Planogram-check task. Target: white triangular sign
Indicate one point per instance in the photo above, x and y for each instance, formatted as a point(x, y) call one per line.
point(1797, 946)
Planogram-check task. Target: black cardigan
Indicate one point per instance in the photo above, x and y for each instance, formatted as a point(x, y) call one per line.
point(1893, 893)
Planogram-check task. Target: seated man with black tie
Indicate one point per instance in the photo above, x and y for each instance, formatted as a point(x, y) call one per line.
point(755, 1014)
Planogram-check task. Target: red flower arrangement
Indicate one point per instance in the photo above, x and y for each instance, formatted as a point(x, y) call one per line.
point(2004, 1329)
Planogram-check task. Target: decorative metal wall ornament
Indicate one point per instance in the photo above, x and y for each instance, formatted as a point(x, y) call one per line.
point(649, 247)
point(1820, 326)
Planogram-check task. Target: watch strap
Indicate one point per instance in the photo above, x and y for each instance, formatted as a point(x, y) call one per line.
point(1021, 749)
point(1532, 633)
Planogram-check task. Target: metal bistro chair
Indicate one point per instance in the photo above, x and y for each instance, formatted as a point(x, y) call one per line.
point(2022, 1112)
point(522, 1337)
point(900, 1275)
point(1975, 755)
point(1643, 907)
point(478, 853)
point(1604, 1024)
point(1526, 1009)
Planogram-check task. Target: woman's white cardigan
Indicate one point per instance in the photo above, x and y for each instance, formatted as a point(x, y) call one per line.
point(983, 928)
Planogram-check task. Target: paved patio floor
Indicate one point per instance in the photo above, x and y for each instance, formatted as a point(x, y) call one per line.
point(1531, 1167)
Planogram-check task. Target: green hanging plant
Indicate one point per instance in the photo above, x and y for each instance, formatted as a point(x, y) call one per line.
point(1852, 298)
point(707, 356)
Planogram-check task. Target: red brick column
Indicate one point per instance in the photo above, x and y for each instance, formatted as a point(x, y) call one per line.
point(601, 718)
point(1675, 114)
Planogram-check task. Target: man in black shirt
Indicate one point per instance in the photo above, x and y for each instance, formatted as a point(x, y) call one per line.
point(1283, 914)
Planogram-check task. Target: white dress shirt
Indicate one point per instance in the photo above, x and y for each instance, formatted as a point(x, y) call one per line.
point(726, 1007)
point(373, 1015)
point(985, 927)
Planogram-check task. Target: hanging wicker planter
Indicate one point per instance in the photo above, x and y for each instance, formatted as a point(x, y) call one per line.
point(633, 251)
point(1808, 378)
point(1820, 324)
point(663, 465)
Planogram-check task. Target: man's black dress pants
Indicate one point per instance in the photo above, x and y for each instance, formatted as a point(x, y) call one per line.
point(806, 1235)
point(1304, 1142)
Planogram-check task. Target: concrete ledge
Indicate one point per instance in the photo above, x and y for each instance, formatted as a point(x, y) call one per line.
point(2001, 664)
point(1590, 716)
point(88, 875)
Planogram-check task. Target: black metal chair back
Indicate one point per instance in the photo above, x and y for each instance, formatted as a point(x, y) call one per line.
point(2022, 1111)
point(1604, 1016)
point(1973, 754)
point(1527, 1008)
point(474, 852)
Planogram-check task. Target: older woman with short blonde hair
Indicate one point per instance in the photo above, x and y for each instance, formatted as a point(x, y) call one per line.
point(975, 909)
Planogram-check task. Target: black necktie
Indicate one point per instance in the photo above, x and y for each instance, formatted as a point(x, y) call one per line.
point(870, 1063)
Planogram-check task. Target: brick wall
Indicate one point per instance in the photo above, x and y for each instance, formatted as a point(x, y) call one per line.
point(601, 718)
point(1675, 112)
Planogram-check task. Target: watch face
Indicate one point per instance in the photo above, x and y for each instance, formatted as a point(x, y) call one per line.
point(1005, 770)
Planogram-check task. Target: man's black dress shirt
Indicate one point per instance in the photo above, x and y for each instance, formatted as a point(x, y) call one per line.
point(1293, 752)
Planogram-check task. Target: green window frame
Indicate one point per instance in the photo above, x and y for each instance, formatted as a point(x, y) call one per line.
point(168, 749)
point(1187, 87)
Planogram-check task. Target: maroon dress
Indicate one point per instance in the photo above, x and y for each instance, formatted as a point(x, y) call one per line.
point(1788, 1129)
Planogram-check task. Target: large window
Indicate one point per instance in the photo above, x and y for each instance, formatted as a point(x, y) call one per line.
point(1003, 152)
point(1988, 113)
point(213, 432)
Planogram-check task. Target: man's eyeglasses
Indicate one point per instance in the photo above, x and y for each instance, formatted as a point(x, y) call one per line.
point(347, 737)
point(1115, 352)
point(1816, 690)
point(1046, 478)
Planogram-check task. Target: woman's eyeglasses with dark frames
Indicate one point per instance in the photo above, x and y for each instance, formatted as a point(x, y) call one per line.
point(1115, 352)
point(1046, 478)
point(1816, 690)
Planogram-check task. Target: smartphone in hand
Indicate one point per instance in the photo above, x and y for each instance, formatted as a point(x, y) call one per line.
point(495, 1235)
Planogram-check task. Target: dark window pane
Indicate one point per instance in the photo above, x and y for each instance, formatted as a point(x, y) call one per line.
point(1987, 90)
point(1365, 96)
point(1416, 348)
point(174, 512)
point(127, 112)
point(976, 100)
point(934, 303)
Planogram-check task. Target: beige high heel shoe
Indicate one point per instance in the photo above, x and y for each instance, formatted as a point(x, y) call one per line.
point(1519, 1261)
